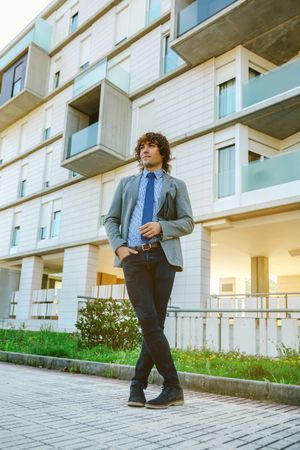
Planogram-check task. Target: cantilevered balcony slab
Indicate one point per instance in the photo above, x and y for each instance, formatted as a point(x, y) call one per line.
point(273, 101)
point(203, 29)
point(97, 130)
point(33, 91)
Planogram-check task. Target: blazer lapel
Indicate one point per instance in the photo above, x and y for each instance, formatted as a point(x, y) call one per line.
point(165, 188)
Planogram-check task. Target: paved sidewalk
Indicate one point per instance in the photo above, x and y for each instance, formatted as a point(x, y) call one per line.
point(43, 409)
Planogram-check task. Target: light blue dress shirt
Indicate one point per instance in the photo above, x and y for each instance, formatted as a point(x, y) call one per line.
point(134, 235)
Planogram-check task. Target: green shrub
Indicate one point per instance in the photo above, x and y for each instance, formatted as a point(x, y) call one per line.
point(109, 322)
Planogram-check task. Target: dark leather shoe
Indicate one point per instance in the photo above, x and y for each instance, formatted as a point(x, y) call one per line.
point(170, 396)
point(137, 396)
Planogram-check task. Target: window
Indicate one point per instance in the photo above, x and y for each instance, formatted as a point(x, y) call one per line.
point(47, 123)
point(15, 238)
point(17, 79)
point(226, 98)
point(226, 171)
point(22, 137)
point(74, 22)
point(122, 19)
point(55, 223)
point(252, 73)
point(171, 60)
point(43, 233)
point(23, 181)
point(252, 156)
point(48, 169)
point(56, 79)
point(85, 53)
point(153, 10)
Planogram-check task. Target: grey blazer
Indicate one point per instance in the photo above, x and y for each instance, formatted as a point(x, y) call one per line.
point(174, 215)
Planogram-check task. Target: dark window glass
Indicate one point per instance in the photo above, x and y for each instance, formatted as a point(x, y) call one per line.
point(74, 23)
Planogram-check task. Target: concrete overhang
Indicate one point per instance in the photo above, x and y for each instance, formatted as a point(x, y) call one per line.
point(93, 161)
point(277, 117)
point(269, 28)
point(17, 107)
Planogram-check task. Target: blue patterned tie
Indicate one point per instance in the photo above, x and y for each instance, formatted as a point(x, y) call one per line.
point(149, 202)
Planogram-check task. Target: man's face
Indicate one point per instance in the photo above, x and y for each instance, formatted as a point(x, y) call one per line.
point(150, 156)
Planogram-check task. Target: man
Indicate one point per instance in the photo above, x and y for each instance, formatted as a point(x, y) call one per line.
point(148, 214)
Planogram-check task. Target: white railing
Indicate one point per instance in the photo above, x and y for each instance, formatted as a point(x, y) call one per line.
point(116, 291)
point(44, 304)
point(13, 304)
point(267, 301)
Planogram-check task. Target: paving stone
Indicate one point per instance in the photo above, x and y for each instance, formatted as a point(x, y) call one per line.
point(43, 410)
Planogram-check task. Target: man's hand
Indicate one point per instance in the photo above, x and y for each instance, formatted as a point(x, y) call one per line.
point(150, 229)
point(123, 251)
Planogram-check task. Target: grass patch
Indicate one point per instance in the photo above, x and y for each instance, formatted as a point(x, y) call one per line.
point(233, 364)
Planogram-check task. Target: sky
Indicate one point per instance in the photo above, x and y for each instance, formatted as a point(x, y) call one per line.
point(15, 15)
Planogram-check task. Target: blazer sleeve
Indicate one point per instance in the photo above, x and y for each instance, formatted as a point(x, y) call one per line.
point(113, 219)
point(184, 223)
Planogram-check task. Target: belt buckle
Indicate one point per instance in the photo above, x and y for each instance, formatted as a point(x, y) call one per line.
point(146, 247)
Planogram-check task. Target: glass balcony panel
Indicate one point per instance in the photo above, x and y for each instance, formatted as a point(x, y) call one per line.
point(187, 18)
point(226, 183)
point(154, 10)
point(89, 78)
point(83, 140)
point(40, 35)
point(273, 83)
point(199, 11)
point(171, 61)
point(120, 77)
point(271, 172)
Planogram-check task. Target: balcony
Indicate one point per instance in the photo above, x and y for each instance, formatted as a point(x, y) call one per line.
point(271, 172)
point(24, 72)
point(273, 101)
point(97, 126)
point(203, 29)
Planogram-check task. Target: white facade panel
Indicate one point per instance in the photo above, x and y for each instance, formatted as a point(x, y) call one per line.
point(186, 102)
point(9, 182)
point(102, 38)
point(80, 211)
point(145, 59)
point(29, 225)
point(87, 8)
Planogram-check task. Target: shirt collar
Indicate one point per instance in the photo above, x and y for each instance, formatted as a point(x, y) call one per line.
point(158, 173)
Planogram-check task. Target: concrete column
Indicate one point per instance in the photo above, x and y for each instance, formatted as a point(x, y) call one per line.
point(31, 279)
point(9, 282)
point(79, 275)
point(259, 274)
point(192, 286)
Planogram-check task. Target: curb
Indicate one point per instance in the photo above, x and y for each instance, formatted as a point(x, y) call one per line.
point(256, 390)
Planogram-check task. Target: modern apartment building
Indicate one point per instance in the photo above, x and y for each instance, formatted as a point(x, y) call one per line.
point(220, 78)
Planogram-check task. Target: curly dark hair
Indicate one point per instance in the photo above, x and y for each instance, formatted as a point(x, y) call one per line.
point(163, 145)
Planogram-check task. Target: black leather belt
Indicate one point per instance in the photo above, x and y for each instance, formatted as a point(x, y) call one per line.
point(146, 247)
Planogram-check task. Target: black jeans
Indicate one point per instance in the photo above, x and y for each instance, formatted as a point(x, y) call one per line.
point(149, 280)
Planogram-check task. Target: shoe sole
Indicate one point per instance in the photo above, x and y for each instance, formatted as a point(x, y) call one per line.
point(138, 404)
point(174, 403)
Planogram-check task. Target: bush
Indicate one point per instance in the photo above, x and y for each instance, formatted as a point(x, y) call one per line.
point(109, 322)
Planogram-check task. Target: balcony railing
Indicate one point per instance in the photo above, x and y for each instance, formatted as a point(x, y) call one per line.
point(90, 77)
point(117, 75)
point(275, 82)
point(40, 35)
point(83, 140)
point(44, 304)
point(270, 172)
point(199, 11)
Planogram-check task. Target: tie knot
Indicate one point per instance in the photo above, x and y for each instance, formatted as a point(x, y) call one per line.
point(150, 175)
